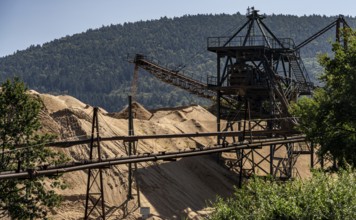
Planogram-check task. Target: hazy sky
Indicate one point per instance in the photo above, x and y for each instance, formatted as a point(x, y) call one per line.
point(27, 22)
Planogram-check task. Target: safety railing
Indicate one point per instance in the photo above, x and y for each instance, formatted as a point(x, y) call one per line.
point(240, 41)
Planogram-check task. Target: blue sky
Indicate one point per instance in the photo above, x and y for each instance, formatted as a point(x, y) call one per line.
point(31, 22)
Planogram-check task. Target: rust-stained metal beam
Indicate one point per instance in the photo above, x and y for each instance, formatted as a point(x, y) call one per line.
point(65, 144)
point(146, 158)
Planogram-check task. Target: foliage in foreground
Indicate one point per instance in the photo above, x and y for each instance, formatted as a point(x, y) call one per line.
point(20, 141)
point(325, 196)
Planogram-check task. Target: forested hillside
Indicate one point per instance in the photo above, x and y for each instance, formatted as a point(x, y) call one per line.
point(92, 66)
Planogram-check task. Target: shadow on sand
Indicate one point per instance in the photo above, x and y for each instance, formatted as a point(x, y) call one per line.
point(188, 183)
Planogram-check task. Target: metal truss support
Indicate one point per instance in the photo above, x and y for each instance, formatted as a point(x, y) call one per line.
point(95, 189)
point(244, 164)
point(325, 161)
point(271, 154)
point(240, 153)
point(312, 155)
point(281, 157)
point(132, 150)
point(173, 77)
point(322, 161)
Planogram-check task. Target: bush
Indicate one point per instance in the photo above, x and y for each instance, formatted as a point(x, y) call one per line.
point(324, 196)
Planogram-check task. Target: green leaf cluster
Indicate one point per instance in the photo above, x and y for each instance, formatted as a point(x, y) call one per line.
point(329, 117)
point(324, 196)
point(22, 149)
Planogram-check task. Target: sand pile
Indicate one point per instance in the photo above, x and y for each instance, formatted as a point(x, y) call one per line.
point(70, 119)
point(138, 112)
point(170, 189)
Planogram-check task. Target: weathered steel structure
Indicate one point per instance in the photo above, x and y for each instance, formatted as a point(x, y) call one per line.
point(263, 74)
point(95, 201)
point(257, 76)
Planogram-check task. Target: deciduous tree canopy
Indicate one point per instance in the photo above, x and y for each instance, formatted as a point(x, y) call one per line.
point(329, 118)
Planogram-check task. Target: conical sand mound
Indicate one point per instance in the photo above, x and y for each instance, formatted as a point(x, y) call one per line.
point(138, 112)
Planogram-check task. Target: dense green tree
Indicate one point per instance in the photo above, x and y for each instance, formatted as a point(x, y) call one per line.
point(329, 118)
point(22, 148)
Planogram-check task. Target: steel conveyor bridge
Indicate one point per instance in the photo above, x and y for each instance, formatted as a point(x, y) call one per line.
point(173, 77)
point(145, 157)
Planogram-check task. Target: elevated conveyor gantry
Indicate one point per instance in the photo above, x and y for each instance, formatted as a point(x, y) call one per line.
point(259, 75)
point(172, 77)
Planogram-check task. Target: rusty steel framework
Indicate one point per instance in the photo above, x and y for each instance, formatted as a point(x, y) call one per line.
point(95, 202)
point(263, 74)
point(258, 75)
point(95, 188)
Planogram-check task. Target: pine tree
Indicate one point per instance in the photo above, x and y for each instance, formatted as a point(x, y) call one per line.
point(22, 148)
